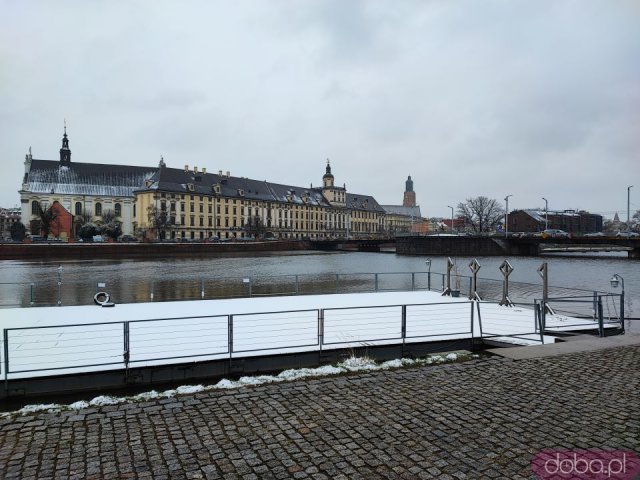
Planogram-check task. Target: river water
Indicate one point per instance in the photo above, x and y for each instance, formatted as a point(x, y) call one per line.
point(34, 283)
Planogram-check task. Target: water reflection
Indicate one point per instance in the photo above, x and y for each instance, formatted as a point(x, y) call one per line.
point(143, 280)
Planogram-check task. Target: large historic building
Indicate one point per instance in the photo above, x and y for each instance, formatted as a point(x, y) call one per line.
point(86, 190)
point(194, 204)
point(191, 203)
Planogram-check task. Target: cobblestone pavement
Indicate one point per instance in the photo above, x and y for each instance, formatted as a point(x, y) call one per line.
point(480, 419)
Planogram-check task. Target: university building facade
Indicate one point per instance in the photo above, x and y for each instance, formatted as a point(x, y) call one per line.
point(191, 203)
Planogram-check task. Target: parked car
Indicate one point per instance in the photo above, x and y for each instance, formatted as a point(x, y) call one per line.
point(554, 233)
point(627, 234)
point(128, 238)
point(594, 234)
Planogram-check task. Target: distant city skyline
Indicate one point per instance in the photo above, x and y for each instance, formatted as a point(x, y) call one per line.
point(532, 100)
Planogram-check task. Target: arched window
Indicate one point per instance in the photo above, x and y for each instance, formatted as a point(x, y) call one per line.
point(78, 208)
point(118, 210)
point(35, 208)
point(98, 209)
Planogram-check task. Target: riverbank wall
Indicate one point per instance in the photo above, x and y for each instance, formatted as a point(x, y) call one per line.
point(98, 250)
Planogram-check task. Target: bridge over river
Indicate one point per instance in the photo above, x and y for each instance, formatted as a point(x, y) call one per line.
point(484, 245)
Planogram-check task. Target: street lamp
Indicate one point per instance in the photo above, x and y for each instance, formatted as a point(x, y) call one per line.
point(451, 217)
point(546, 213)
point(628, 203)
point(617, 279)
point(428, 262)
point(506, 216)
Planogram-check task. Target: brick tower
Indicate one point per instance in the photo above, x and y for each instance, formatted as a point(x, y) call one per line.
point(409, 199)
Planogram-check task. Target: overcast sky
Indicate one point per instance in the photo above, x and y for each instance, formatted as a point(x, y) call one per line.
point(532, 98)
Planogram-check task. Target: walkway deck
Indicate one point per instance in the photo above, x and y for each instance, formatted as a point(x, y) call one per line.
point(484, 418)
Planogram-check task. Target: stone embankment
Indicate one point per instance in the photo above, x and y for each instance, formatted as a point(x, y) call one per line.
point(485, 418)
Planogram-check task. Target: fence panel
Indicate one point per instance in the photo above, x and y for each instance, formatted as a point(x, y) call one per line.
point(178, 338)
point(499, 320)
point(65, 347)
point(362, 325)
point(277, 332)
point(438, 319)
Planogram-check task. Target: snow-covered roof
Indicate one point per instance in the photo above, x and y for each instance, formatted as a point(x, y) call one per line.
point(49, 176)
point(189, 182)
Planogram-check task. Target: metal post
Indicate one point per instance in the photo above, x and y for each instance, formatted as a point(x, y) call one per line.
point(376, 280)
point(450, 265)
point(403, 326)
point(628, 204)
point(230, 335)
point(449, 206)
point(202, 288)
point(506, 269)
point(126, 348)
point(5, 337)
point(297, 286)
point(506, 217)
point(543, 316)
point(595, 304)
point(320, 329)
point(429, 281)
point(543, 271)
point(31, 293)
point(337, 283)
point(622, 311)
point(472, 339)
point(474, 266)
point(60, 270)
point(151, 294)
point(600, 317)
point(413, 281)
point(546, 213)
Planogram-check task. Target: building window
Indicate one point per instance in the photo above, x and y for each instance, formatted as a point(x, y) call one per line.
point(35, 208)
point(118, 210)
point(98, 209)
point(78, 208)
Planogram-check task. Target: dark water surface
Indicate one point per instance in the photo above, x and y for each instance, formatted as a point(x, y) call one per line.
point(142, 280)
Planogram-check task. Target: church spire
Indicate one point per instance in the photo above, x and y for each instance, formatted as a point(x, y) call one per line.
point(65, 153)
point(327, 178)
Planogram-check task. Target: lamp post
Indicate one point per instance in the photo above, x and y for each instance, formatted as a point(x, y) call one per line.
point(449, 206)
point(546, 213)
point(614, 283)
point(428, 262)
point(506, 216)
point(628, 204)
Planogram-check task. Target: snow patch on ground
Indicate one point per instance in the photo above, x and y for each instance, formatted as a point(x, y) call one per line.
point(352, 364)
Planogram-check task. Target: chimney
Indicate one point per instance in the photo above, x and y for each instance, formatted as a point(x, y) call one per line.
point(195, 169)
point(186, 169)
point(220, 172)
point(204, 170)
point(228, 174)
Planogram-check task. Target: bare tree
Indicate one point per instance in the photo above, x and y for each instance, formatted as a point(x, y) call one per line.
point(47, 219)
point(481, 213)
point(159, 220)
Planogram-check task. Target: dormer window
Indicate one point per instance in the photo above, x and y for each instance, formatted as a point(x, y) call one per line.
point(216, 189)
point(148, 183)
point(190, 187)
point(241, 192)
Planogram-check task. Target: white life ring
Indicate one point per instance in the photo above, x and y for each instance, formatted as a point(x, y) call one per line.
point(101, 298)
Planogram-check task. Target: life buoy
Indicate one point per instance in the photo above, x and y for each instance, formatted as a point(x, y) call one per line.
point(101, 298)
